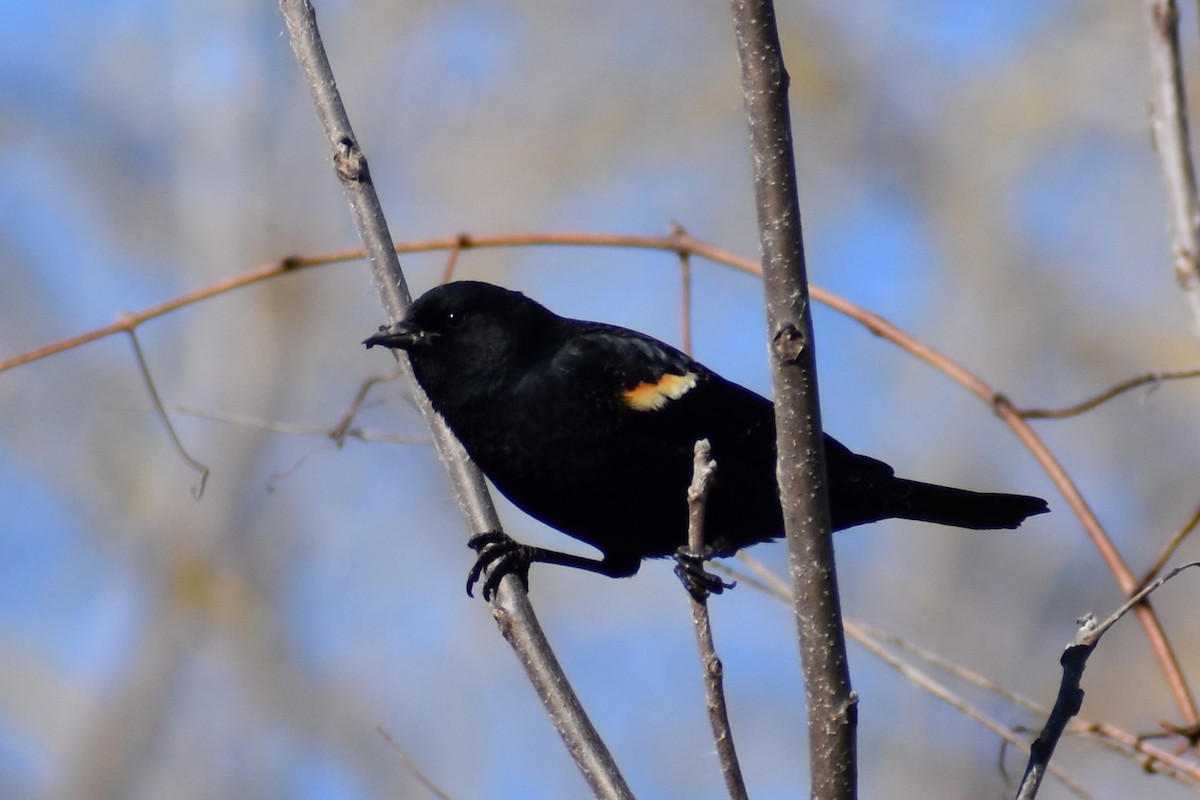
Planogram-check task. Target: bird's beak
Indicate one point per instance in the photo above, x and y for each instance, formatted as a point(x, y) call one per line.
point(400, 336)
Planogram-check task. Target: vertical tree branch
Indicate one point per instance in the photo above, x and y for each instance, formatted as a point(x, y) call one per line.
point(801, 467)
point(1169, 127)
point(703, 474)
point(511, 607)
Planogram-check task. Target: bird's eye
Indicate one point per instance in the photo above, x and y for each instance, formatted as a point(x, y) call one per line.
point(455, 319)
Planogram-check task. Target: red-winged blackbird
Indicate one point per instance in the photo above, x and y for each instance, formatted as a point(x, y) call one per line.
point(590, 428)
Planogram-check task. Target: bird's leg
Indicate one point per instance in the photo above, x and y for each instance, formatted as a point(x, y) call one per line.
point(505, 556)
point(689, 568)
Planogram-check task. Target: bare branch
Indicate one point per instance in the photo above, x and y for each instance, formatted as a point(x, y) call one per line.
point(685, 293)
point(1091, 634)
point(511, 605)
point(1169, 127)
point(337, 434)
point(342, 429)
point(1154, 379)
point(452, 260)
point(127, 321)
point(832, 704)
point(703, 470)
point(412, 766)
point(1170, 547)
point(1070, 693)
point(148, 379)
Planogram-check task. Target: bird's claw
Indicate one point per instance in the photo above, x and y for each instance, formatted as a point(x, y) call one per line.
point(503, 555)
point(689, 568)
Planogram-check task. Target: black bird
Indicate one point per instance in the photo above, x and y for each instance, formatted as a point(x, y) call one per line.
point(590, 428)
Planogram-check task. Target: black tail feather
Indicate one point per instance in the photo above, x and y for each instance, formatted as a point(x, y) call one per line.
point(962, 508)
point(863, 489)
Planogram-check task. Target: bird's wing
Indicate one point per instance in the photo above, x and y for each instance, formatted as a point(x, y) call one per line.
point(623, 368)
point(659, 390)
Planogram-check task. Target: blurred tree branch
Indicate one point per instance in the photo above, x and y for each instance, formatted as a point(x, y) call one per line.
point(1169, 127)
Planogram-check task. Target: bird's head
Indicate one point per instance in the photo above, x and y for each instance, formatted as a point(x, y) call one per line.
point(467, 332)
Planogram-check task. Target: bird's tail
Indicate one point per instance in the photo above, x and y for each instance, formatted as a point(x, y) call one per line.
point(962, 508)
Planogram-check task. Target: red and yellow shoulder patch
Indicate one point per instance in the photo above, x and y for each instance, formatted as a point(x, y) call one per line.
point(653, 395)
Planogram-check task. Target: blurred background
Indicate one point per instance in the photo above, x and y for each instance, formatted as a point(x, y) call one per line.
point(979, 173)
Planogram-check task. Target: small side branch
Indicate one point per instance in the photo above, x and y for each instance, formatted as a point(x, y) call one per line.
point(148, 379)
point(703, 470)
point(685, 292)
point(1151, 379)
point(1070, 692)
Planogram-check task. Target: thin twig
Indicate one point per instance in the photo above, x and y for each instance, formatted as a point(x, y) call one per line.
point(412, 767)
point(685, 294)
point(1155, 379)
point(1150, 759)
point(1070, 693)
point(148, 380)
point(293, 264)
point(832, 704)
point(337, 434)
point(341, 430)
point(511, 606)
point(1090, 634)
point(955, 670)
point(452, 260)
point(129, 320)
point(1169, 127)
point(703, 469)
point(1169, 549)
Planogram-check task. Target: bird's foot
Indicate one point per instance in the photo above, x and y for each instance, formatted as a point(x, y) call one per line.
point(503, 555)
point(689, 568)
